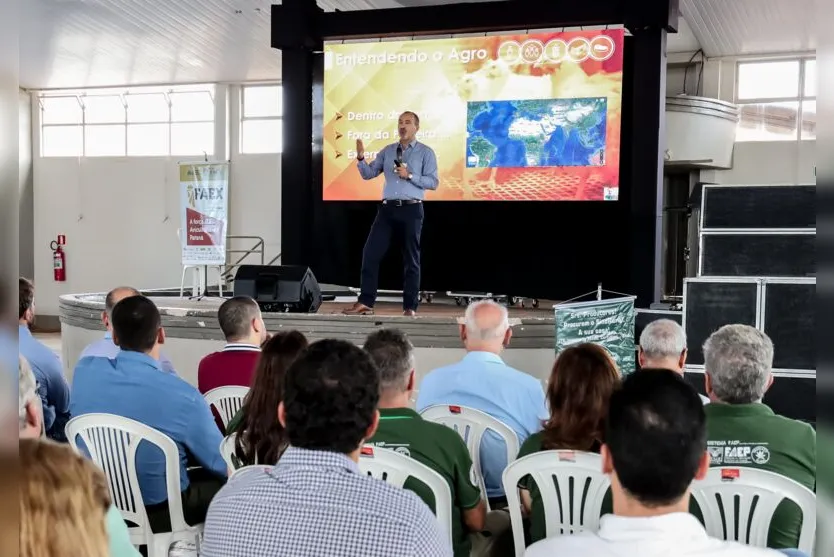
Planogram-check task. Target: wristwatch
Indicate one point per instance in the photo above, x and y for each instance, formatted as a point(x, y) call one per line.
point(410, 175)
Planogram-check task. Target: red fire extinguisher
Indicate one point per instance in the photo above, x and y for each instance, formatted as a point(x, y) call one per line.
point(59, 268)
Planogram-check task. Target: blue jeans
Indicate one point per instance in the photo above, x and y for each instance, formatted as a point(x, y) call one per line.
point(794, 553)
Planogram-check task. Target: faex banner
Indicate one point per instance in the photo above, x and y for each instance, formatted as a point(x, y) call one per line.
point(204, 202)
point(609, 323)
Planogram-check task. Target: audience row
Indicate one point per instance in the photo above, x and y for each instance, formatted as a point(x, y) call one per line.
point(310, 409)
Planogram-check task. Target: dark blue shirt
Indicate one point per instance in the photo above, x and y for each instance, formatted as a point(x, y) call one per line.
point(420, 161)
point(52, 385)
point(133, 385)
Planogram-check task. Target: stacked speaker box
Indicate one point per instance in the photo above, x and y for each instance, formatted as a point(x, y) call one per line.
point(279, 288)
point(757, 266)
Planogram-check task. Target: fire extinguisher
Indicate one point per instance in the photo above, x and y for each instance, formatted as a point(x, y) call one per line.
point(59, 260)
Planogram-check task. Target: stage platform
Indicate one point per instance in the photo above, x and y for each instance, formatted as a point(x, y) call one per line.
point(192, 330)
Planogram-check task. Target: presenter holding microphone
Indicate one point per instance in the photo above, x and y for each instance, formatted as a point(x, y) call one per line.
point(410, 168)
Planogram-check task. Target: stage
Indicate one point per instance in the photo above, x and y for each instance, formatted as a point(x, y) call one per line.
point(192, 330)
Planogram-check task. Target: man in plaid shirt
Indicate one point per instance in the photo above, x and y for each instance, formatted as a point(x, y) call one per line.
point(315, 502)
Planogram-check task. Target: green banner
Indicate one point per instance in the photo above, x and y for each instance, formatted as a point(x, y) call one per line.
point(609, 323)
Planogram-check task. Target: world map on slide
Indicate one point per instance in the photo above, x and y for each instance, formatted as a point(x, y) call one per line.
point(536, 133)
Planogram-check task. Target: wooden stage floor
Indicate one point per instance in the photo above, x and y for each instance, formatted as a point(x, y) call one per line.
point(434, 309)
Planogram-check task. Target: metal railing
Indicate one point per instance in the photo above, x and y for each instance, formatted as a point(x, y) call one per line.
point(258, 249)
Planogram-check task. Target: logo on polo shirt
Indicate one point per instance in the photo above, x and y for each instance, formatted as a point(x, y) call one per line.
point(737, 453)
point(760, 455)
point(716, 456)
point(403, 450)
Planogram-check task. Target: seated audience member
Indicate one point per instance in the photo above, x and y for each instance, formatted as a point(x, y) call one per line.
point(31, 427)
point(481, 380)
point(742, 431)
point(435, 445)
point(583, 378)
point(46, 365)
point(134, 386)
point(105, 346)
point(260, 436)
point(63, 502)
point(242, 325)
point(663, 346)
point(655, 446)
point(316, 501)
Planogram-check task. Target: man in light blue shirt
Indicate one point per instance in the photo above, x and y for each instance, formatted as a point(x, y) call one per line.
point(134, 386)
point(484, 382)
point(410, 168)
point(106, 347)
point(46, 365)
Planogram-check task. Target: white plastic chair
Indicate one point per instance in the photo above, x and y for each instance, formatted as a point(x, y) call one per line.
point(227, 401)
point(572, 488)
point(244, 470)
point(227, 451)
point(112, 442)
point(752, 495)
point(471, 425)
point(198, 274)
point(394, 468)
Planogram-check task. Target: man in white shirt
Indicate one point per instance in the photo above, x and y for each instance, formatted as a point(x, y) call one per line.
point(663, 346)
point(656, 445)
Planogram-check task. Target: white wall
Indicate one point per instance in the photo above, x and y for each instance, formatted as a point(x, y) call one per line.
point(121, 214)
point(768, 162)
point(25, 186)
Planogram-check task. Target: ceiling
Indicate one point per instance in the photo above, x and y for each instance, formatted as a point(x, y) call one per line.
point(89, 43)
point(751, 27)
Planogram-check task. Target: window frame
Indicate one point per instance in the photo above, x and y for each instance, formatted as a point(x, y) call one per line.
point(800, 97)
point(244, 118)
point(124, 95)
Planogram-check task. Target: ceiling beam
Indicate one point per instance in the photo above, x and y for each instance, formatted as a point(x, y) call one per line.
point(293, 16)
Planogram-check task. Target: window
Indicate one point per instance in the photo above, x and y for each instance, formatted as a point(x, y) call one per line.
point(147, 121)
point(261, 109)
point(777, 100)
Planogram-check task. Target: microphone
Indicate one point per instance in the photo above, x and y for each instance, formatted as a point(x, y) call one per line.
point(399, 162)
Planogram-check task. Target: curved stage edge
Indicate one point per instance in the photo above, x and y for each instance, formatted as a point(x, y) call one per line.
point(192, 331)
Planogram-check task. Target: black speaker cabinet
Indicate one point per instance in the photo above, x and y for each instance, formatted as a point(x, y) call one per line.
point(710, 303)
point(279, 288)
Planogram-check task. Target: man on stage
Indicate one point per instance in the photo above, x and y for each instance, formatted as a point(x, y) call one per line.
point(410, 168)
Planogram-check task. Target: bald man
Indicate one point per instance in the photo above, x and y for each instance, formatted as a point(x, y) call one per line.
point(481, 380)
point(105, 347)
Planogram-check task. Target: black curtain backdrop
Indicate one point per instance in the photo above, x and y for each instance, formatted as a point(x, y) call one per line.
point(553, 250)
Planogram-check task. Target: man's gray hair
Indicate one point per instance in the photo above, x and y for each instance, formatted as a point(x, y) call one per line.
point(473, 331)
point(235, 316)
point(663, 338)
point(738, 360)
point(393, 355)
point(27, 389)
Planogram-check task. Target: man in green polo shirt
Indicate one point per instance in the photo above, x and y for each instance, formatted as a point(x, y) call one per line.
point(741, 431)
point(437, 446)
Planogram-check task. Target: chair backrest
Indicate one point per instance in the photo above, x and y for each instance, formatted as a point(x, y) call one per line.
point(572, 488)
point(471, 425)
point(227, 451)
point(252, 468)
point(394, 468)
point(227, 401)
point(112, 442)
point(738, 504)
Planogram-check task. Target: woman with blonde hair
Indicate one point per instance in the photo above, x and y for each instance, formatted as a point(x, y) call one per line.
point(63, 502)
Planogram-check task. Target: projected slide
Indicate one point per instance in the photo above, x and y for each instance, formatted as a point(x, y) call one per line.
point(511, 118)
